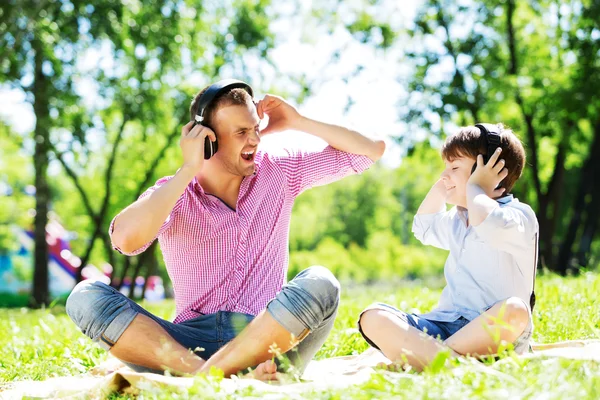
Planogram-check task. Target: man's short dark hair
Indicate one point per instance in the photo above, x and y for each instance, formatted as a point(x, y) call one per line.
point(232, 97)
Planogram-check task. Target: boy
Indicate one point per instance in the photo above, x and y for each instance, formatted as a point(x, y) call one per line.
point(490, 271)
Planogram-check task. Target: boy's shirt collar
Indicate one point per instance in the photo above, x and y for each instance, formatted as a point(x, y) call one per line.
point(506, 199)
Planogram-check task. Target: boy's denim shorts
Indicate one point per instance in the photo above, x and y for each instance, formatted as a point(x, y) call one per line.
point(441, 330)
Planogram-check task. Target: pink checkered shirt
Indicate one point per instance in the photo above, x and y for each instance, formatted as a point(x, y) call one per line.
point(221, 259)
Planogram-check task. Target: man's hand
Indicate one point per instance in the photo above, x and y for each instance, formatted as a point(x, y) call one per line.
point(192, 145)
point(282, 115)
point(489, 176)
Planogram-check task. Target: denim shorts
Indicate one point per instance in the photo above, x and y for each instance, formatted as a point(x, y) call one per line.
point(438, 329)
point(442, 330)
point(306, 307)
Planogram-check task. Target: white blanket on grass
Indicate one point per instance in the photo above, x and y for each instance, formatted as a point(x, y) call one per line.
point(328, 374)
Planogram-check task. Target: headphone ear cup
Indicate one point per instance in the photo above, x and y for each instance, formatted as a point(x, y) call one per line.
point(210, 148)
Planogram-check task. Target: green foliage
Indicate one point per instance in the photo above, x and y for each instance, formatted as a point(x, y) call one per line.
point(384, 257)
point(361, 227)
point(15, 176)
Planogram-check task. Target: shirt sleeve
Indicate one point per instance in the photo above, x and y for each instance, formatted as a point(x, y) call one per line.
point(165, 226)
point(306, 169)
point(509, 229)
point(433, 229)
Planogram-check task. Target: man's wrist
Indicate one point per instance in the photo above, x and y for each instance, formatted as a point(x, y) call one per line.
point(187, 171)
point(302, 124)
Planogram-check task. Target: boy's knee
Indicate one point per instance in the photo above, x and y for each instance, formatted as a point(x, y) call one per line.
point(516, 314)
point(370, 320)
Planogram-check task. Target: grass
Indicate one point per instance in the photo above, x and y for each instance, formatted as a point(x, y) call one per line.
point(39, 344)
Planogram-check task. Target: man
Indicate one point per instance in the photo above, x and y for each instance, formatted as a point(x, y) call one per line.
point(223, 228)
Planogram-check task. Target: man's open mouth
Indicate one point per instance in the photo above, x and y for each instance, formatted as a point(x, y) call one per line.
point(248, 155)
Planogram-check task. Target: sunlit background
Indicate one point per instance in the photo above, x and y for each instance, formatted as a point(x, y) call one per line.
point(93, 95)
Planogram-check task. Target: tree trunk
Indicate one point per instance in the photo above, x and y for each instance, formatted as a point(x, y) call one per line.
point(550, 202)
point(565, 255)
point(592, 215)
point(143, 261)
point(124, 272)
point(151, 270)
point(40, 294)
point(589, 228)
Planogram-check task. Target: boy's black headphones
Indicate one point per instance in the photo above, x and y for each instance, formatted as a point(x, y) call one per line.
point(211, 94)
point(491, 136)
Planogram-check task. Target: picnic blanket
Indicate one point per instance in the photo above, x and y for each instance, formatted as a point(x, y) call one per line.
point(328, 374)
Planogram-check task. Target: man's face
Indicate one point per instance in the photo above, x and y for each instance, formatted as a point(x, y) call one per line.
point(455, 177)
point(236, 127)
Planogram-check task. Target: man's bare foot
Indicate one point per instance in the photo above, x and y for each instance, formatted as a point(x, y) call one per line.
point(266, 371)
point(393, 367)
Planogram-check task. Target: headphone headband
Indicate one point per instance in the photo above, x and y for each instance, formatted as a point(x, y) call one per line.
point(491, 136)
point(214, 91)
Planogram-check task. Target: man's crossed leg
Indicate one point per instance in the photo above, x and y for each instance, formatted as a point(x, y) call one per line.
point(300, 316)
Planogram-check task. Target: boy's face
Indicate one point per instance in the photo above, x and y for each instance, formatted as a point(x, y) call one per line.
point(455, 177)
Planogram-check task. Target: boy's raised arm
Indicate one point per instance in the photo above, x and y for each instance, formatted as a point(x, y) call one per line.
point(506, 228)
point(435, 201)
point(431, 225)
point(482, 187)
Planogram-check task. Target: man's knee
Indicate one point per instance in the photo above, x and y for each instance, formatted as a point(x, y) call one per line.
point(307, 301)
point(322, 286)
point(89, 302)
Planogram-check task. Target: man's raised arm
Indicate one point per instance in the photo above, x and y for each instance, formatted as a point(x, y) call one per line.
point(140, 222)
point(284, 116)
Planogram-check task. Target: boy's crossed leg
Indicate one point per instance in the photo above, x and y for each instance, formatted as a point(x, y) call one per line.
point(410, 340)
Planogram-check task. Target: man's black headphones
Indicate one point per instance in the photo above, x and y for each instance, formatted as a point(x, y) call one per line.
point(210, 95)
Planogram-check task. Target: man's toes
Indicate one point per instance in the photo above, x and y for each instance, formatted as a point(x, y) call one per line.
point(268, 367)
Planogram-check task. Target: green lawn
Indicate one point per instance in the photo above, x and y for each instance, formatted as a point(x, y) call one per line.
point(44, 343)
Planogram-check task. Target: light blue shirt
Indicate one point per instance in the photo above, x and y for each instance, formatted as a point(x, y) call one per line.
point(487, 263)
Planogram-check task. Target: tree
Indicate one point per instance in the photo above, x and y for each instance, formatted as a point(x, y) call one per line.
point(148, 51)
point(522, 64)
point(40, 42)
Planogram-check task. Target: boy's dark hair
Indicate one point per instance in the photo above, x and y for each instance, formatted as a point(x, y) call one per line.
point(233, 97)
point(469, 142)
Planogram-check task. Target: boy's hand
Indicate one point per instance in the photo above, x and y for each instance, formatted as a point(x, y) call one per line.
point(488, 176)
point(435, 201)
point(440, 188)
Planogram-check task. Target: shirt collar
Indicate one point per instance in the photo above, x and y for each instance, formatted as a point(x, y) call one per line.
point(505, 199)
